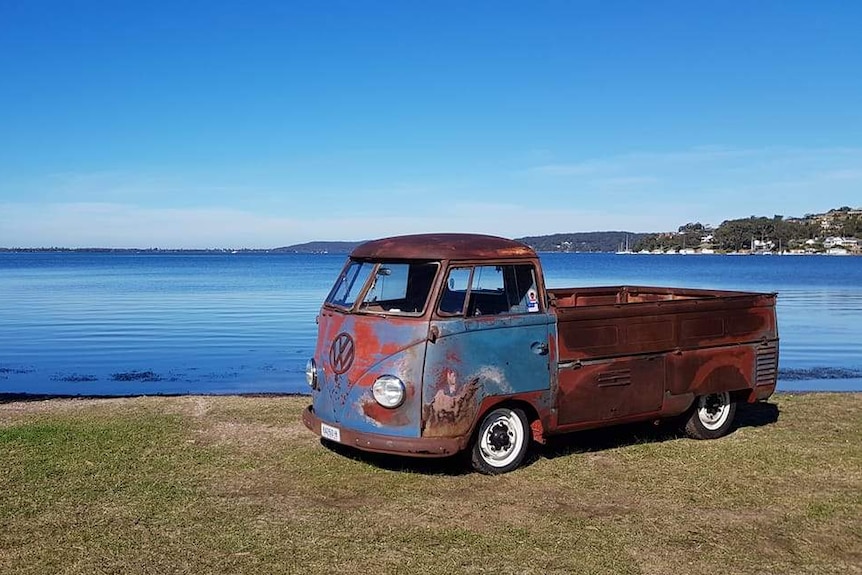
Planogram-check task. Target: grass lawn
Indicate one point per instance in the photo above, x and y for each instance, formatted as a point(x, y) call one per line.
point(238, 485)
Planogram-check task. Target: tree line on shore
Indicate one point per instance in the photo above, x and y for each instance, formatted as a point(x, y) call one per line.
point(750, 234)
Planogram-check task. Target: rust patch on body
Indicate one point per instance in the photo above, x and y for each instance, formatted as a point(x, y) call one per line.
point(538, 431)
point(453, 408)
point(383, 416)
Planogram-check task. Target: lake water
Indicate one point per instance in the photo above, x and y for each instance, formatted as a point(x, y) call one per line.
point(113, 324)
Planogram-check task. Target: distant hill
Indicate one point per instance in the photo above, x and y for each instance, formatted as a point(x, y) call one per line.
point(568, 242)
point(319, 248)
point(583, 241)
point(837, 231)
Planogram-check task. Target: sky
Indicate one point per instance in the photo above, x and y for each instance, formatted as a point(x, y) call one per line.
point(216, 124)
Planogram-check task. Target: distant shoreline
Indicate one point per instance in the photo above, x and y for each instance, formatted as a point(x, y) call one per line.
point(163, 251)
point(289, 251)
point(282, 251)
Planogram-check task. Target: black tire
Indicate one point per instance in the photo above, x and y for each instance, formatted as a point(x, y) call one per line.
point(711, 416)
point(501, 442)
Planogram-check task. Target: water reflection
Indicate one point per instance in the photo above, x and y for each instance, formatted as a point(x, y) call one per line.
point(107, 323)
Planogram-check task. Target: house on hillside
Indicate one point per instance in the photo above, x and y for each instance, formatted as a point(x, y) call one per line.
point(762, 246)
point(834, 219)
point(841, 242)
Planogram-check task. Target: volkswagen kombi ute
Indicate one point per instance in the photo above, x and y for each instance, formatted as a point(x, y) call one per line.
point(433, 344)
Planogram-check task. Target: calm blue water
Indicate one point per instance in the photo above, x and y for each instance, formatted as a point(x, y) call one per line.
point(76, 323)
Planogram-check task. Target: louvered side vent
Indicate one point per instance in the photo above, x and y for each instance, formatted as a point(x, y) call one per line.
point(767, 364)
point(614, 378)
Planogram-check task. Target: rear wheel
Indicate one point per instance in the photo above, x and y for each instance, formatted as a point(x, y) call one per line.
point(501, 442)
point(712, 416)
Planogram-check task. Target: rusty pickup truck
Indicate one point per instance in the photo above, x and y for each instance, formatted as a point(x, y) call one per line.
point(435, 344)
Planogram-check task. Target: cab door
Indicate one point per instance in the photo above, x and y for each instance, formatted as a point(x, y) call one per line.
point(490, 336)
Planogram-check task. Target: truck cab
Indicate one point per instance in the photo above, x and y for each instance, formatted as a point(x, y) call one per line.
point(432, 344)
point(421, 335)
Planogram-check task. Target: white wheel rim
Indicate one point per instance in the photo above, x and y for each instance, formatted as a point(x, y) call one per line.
point(713, 409)
point(501, 438)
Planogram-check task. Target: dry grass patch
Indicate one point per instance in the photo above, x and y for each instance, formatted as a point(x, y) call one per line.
point(237, 485)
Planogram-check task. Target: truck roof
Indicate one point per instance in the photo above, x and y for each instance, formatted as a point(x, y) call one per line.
point(443, 247)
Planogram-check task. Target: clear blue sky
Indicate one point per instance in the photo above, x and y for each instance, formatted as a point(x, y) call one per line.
point(261, 124)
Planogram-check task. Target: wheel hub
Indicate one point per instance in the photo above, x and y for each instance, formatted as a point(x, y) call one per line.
point(498, 437)
point(713, 405)
point(713, 410)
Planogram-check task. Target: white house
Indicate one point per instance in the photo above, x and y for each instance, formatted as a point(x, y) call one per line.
point(838, 241)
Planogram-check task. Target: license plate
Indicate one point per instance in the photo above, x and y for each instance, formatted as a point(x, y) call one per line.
point(330, 432)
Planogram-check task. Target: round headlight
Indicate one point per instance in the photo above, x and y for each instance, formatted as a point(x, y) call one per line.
point(311, 373)
point(388, 391)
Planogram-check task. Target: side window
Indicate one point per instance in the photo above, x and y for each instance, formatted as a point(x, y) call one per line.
point(501, 290)
point(493, 290)
point(487, 292)
point(521, 290)
point(488, 279)
point(455, 291)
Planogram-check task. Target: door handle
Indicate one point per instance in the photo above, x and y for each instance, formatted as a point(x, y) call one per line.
point(539, 348)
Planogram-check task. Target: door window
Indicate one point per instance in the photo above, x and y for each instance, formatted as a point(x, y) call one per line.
point(455, 291)
point(490, 290)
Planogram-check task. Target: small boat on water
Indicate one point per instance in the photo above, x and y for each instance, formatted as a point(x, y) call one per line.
point(627, 249)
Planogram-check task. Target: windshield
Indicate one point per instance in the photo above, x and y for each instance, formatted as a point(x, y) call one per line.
point(385, 287)
point(350, 284)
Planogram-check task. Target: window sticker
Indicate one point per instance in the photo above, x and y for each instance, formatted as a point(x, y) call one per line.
point(532, 301)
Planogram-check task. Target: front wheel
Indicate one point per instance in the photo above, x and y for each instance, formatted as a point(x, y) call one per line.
point(501, 442)
point(711, 417)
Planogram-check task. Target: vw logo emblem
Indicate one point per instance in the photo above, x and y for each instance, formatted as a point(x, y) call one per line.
point(341, 353)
